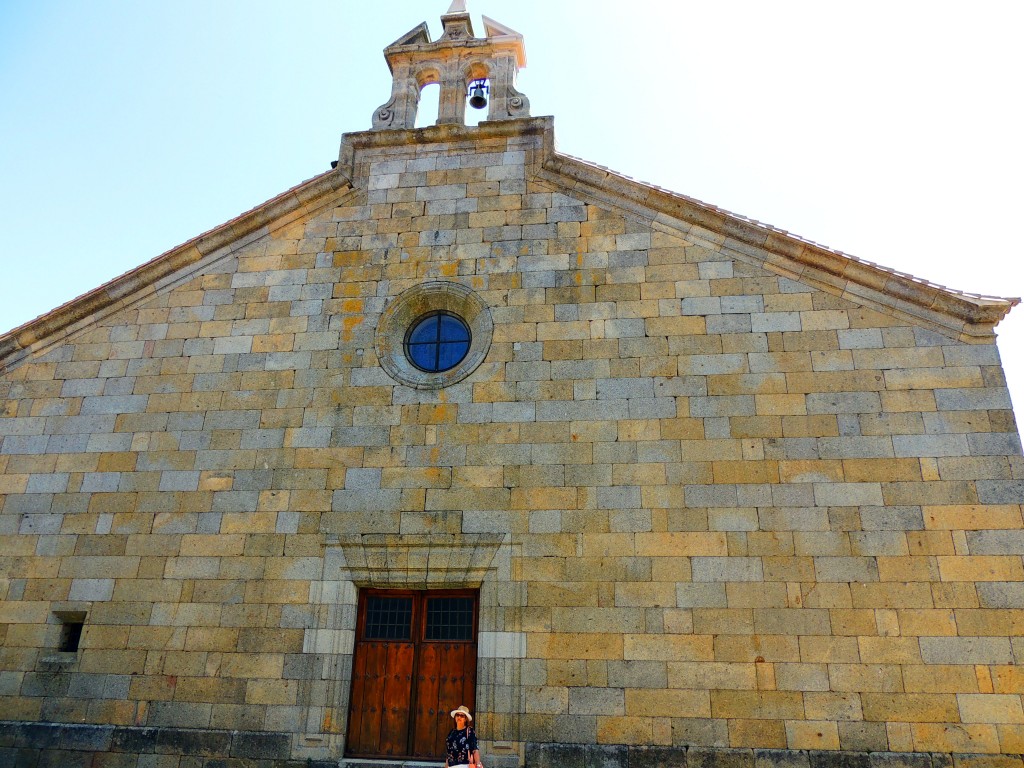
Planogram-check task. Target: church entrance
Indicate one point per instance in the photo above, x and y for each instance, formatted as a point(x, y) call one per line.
point(415, 661)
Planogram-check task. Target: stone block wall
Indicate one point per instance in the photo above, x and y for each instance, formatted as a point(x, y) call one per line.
point(708, 501)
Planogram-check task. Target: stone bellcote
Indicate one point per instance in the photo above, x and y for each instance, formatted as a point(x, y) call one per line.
point(454, 61)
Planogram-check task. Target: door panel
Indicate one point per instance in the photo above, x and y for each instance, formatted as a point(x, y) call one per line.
point(394, 731)
point(427, 705)
point(415, 661)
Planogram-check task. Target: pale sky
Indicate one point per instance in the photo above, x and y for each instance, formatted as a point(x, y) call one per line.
point(888, 130)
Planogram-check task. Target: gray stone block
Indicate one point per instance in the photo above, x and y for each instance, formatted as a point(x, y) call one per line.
point(702, 305)
point(723, 569)
point(996, 542)
point(555, 756)
point(87, 738)
point(706, 595)
point(822, 759)
point(863, 737)
point(716, 270)
point(742, 304)
point(707, 365)
point(100, 482)
point(966, 650)
point(900, 760)
point(180, 714)
point(23, 444)
point(179, 481)
point(846, 569)
point(793, 495)
point(697, 730)
point(681, 386)
point(1001, 594)
point(235, 501)
point(775, 322)
point(637, 674)
point(726, 324)
point(705, 757)
point(843, 402)
point(76, 425)
point(114, 404)
point(892, 518)
point(367, 501)
point(31, 523)
point(724, 495)
point(1001, 491)
point(652, 408)
point(606, 756)
point(860, 338)
point(67, 444)
point(56, 482)
point(614, 389)
point(619, 497)
point(91, 589)
point(930, 445)
point(27, 426)
point(597, 701)
point(855, 448)
point(181, 741)
point(232, 420)
point(725, 406)
point(998, 444)
point(781, 758)
point(517, 412)
point(362, 479)
point(977, 399)
point(962, 355)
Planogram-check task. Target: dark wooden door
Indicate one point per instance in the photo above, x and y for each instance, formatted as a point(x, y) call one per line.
point(415, 661)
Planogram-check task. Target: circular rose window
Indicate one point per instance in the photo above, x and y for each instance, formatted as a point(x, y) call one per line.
point(434, 335)
point(437, 342)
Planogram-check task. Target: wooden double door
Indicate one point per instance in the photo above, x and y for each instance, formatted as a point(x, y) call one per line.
point(415, 661)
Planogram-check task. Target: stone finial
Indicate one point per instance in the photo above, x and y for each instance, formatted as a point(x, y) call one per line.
point(454, 61)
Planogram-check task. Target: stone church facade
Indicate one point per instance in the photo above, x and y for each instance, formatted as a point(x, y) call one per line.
point(468, 421)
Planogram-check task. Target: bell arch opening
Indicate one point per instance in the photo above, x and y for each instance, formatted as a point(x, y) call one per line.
point(430, 103)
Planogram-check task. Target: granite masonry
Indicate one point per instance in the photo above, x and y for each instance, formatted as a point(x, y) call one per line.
point(719, 496)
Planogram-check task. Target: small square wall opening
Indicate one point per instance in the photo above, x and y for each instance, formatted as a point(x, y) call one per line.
point(71, 625)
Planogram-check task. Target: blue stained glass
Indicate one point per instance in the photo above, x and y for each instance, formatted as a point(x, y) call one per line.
point(438, 342)
point(423, 356)
point(450, 355)
point(453, 329)
point(425, 332)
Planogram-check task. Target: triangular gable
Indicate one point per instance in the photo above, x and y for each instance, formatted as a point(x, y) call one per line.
point(415, 36)
point(498, 32)
point(497, 29)
point(967, 317)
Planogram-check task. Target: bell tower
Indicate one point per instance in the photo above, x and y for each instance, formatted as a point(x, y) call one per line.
point(455, 61)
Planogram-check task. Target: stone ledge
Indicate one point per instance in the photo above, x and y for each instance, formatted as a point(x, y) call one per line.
point(621, 756)
point(30, 744)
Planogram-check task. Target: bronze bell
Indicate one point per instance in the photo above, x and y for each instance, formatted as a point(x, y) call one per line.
point(477, 95)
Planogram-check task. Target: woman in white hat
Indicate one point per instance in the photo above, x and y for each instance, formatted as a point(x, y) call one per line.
point(460, 748)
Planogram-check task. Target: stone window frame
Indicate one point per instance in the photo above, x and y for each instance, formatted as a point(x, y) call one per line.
point(61, 654)
point(412, 304)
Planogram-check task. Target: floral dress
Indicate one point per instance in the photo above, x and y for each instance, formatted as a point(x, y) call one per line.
point(460, 746)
